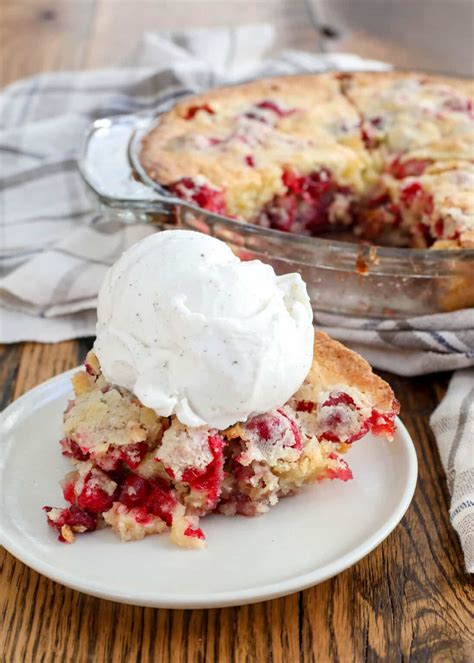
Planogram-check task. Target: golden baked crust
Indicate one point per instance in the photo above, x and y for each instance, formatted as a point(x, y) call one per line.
point(426, 116)
point(307, 135)
point(334, 365)
point(366, 129)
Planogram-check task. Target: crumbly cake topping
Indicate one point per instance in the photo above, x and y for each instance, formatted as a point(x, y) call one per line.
point(427, 116)
point(306, 152)
point(100, 417)
point(270, 438)
point(183, 448)
point(132, 524)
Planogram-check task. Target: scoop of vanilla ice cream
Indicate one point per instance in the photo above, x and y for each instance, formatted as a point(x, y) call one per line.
point(193, 331)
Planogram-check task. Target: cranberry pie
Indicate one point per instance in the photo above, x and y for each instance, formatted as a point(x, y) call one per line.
point(143, 474)
point(388, 154)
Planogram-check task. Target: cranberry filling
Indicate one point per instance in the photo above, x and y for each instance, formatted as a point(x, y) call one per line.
point(415, 197)
point(161, 501)
point(133, 454)
point(95, 500)
point(343, 473)
point(370, 141)
point(89, 369)
point(339, 398)
point(74, 517)
point(209, 479)
point(153, 496)
point(270, 428)
point(410, 168)
point(194, 533)
point(378, 424)
point(203, 195)
point(305, 406)
point(439, 228)
point(192, 110)
point(92, 497)
point(273, 106)
point(134, 491)
point(382, 424)
point(267, 105)
point(307, 204)
point(69, 493)
point(296, 434)
point(71, 449)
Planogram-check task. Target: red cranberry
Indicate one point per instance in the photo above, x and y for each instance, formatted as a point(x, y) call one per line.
point(250, 161)
point(293, 182)
point(134, 491)
point(305, 406)
point(192, 110)
point(376, 122)
point(415, 195)
point(210, 199)
point(186, 182)
point(409, 168)
point(296, 434)
point(368, 140)
point(68, 492)
point(365, 427)
point(71, 449)
point(338, 399)
point(261, 425)
point(74, 517)
point(281, 213)
point(382, 424)
point(209, 479)
point(161, 501)
point(93, 498)
point(439, 228)
point(133, 454)
point(270, 427)
point(343, 473)
point(194, 533)
point(80, 518)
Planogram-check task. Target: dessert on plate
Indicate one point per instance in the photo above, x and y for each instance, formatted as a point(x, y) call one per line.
point(389, 154)
point(207, 391)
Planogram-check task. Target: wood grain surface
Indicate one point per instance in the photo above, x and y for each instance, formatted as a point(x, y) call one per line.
point(409, 600)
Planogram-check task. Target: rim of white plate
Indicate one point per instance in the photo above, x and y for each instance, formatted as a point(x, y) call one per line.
point(55, 387)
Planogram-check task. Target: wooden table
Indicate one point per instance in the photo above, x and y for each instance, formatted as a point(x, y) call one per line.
point(407, 601)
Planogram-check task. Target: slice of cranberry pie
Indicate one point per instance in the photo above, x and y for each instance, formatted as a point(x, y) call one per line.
point(143, 474)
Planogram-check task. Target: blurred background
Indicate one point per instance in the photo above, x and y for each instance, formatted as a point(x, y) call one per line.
point(40, 35)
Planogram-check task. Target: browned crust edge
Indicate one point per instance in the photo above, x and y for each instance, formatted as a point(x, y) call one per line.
point(165, 172)
point(333, 364)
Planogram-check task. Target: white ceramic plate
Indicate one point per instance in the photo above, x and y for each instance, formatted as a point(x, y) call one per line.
point(302, 541)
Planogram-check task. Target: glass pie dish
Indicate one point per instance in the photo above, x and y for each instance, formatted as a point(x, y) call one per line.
point(343, 277)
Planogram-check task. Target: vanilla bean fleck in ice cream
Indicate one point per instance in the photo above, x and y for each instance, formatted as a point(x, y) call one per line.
point(191, 330)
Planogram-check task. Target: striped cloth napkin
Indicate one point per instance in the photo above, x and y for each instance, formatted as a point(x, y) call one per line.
point(56, 245)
